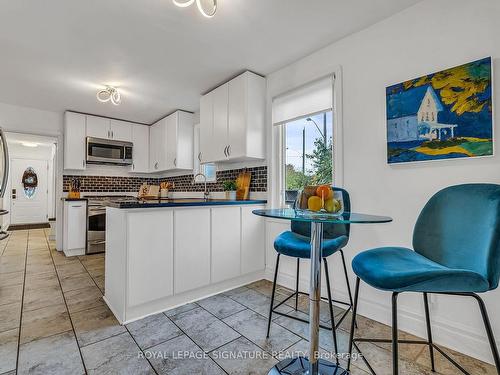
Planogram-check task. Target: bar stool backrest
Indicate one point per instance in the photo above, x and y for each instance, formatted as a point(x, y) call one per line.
point(329, 230)
point(460, 228)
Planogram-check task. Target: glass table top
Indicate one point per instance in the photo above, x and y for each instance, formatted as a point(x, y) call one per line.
point(322, 217)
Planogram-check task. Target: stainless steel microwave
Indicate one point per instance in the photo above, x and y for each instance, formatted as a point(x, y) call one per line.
point(106, 151)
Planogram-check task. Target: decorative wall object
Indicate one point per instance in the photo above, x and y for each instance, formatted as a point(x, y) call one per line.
point(30, 182)
point(442, 115)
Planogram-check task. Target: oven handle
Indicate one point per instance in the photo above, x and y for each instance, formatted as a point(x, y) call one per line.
point(100, 242)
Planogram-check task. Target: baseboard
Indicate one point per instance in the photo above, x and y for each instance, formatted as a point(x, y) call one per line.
point(13, 227)
point(445, 332)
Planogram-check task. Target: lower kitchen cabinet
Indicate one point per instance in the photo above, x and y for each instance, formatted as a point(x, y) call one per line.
point(192, 250)
point(226, 243)
point(150, 256)
point(253, 258)
point(75, 227)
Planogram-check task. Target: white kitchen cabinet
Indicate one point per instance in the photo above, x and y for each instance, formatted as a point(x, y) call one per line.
point(232, 120)
point(74, 141)
point(252, 240)
point(74, 227)
point(140, 139)
point(192, 251)
point(98, 127)
point(150, 256)
point(226, 247)
point(121, 130)
point(171, 142)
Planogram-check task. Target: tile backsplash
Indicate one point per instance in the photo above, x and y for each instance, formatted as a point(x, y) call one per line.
point(100, 184)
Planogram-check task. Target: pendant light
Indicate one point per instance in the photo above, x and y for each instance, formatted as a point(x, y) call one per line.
point(209, 13)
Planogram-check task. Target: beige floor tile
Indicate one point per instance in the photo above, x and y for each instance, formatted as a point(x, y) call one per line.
point(10, 316)
point(95, 325)
point(84, 299)
point(43, 297)
point(43, 280)
point(8, 350)
point(70, 269)
point(44, 322)
point(10, 294)
point(39, 268)
point(99, 280)
point(12, 278)
point(73, 282)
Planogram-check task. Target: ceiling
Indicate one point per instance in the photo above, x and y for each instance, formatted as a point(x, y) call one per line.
point(55, 54)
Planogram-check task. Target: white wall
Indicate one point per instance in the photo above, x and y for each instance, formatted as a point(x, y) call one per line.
point(38, 122)
point(433, 35)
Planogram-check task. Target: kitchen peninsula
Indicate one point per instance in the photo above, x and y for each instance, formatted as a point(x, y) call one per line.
point(165, 253)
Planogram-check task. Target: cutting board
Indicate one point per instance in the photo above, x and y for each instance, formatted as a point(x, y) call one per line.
point(243, 184)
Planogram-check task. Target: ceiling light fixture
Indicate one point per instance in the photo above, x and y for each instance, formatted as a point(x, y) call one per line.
point(110, 93)
point(209, 13)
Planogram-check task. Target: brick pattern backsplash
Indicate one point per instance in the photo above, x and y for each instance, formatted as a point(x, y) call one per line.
point(105, 184)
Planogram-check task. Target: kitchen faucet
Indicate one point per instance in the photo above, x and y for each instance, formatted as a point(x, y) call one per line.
point(205, 193)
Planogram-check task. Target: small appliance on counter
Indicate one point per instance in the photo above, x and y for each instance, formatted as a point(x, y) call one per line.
point(243, 185)
point(165, 186)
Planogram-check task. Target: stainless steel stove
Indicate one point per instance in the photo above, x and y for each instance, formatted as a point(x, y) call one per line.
point(96, 220)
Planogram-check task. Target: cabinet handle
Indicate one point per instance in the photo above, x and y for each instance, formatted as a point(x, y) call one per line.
point(112, 134)
point(156, 165)
point(133, 166)
point(225, 151)
point(109, 135)
point(199, 157)
point(229, 150)
point(83, 163)
point(80, 206)
point(175, 162)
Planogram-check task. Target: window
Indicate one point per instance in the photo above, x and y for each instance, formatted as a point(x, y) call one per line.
point(308, 155)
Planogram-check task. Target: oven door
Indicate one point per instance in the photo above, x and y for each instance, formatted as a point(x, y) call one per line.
point(104, 151)
point(96, 236)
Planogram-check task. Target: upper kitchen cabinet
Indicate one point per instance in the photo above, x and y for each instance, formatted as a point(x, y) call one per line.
point(74, 141)
point(232, 120)
point(171, 143)
point(105, 128)
point(140, 139)
point(121, 130)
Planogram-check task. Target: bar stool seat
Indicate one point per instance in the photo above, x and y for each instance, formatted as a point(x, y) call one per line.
point(298, 246)
point(400, 269)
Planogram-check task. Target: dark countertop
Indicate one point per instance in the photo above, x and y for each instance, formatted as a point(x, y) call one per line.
point(182, 202)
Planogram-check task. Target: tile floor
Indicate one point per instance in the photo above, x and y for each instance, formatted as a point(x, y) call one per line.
point(53, 321)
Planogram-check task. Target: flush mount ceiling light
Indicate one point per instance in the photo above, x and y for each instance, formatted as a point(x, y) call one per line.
point(208, 8)
point(110, 93)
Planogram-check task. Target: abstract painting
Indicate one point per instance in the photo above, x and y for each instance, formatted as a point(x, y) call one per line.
point(442, 115)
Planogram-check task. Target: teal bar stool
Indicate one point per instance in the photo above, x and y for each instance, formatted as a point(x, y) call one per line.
point(296, 243)
point(456, 243)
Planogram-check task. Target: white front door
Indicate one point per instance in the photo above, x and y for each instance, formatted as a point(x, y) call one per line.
point(29, 196)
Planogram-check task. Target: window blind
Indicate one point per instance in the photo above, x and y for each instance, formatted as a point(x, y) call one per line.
point(312, 98)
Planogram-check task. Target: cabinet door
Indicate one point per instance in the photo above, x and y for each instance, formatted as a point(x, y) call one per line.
point(185, 142)
point(237, 117)
point(140, 139)
point(150, 273)
point(206, 128)
point(192, 252)
point(171, 124)
point(74, 141)
point(98, 127)
point(121, 131)
point(226, 248)
point(153, 146)
point(76, 216)
point(219, 141)
point(161, 147)
point(252, 240)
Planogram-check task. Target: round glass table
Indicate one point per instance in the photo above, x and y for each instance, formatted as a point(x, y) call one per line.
point(314, 365)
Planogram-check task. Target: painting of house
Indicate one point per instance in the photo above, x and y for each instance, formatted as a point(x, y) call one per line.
point(442, 115)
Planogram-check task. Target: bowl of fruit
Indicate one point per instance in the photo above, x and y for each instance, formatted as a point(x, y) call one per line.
point(320, 199)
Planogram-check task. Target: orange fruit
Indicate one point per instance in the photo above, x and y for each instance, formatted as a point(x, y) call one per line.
point(314, 203)
point(325, 192)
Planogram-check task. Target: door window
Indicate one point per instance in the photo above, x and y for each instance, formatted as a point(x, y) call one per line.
point(29, 182)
